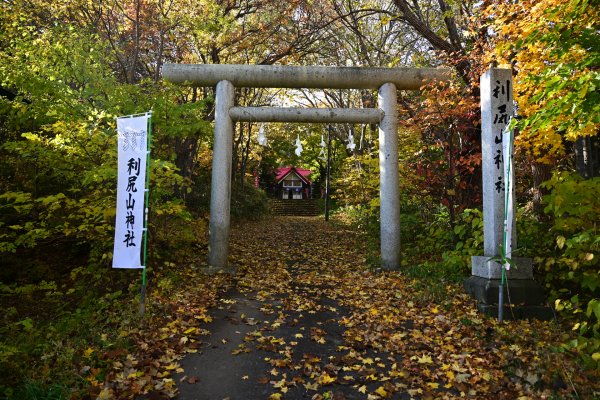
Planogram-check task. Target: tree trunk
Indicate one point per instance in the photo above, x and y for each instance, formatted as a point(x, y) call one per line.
point(131, 78)
point(587, 157)
point(236, 152)
point(186, 149)
point(540, 173)
point(159, 55)
point(245, 156)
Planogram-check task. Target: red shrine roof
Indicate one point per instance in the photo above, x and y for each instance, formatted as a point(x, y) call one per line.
point(282, 172)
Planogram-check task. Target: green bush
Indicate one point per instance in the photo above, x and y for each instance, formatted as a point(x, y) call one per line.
point(446, 245)
point(468, 239)
point(248, 202)
point(570, 263)
point(39, 391)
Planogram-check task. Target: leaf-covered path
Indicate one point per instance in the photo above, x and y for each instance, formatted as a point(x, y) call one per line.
point(307, 319)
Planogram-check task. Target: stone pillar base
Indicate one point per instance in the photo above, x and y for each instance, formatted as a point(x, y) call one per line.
point(525, 297)
point(543, 313)
point(210, 270)
point(482, 266)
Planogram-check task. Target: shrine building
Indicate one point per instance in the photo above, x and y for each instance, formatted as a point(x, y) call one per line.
point(292, 183)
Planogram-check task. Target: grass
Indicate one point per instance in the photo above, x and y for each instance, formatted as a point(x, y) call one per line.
point(52, 344)
point(39, 391)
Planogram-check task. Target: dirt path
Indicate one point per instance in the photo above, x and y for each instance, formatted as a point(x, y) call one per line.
point(283, 328)
point(308, 320)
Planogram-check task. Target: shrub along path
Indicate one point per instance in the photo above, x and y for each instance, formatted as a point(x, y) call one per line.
point(306, 318)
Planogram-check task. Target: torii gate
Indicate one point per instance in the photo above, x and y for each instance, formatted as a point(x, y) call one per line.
point(227, 77)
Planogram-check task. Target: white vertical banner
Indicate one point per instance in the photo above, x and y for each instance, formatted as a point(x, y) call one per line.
point(131, 185)
point(507, 149)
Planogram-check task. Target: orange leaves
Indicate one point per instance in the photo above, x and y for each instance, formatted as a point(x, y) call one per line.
point(160, 344)
point(240, 350)
point(444, 145)
point(317, 335)
point(192, 380)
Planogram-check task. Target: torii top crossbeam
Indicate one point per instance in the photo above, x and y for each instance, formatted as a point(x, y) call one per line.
point(315, 77)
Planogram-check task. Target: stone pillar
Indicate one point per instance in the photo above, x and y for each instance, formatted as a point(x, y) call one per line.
point(496, 109)
point(220, 193)
point(389, 178)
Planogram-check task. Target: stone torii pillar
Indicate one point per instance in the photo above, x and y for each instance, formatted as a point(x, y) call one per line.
point(220, 194)
point(227, 77)
point(389, 191)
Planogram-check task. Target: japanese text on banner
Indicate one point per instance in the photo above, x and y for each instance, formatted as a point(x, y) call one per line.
point(132, 143)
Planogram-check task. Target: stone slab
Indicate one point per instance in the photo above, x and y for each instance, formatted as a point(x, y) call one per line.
point(543, 313)
point(522, 292)
point(210, 270)
point(481, 266)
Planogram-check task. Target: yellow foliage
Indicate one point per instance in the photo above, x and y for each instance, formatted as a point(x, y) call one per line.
point(555, 76)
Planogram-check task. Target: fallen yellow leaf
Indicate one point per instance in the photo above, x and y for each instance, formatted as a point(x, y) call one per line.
point(425, 360)
point(381, 391)
point(325, 379)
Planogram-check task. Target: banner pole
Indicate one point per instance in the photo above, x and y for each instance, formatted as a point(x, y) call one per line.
point(147, 196)
point(507, 199)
